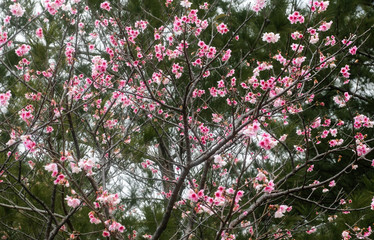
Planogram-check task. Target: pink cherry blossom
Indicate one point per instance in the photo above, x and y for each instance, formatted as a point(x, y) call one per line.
point(185, 3)
point(222, 28)
point(22, 50)
point(296, 17)
point(105, 5)
point(39, 33)
point(72, 202)
point(353, 50)
point(270, 37)
point(258, 5)
point(17, 10)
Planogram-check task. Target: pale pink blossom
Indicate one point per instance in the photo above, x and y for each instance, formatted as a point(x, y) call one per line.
point(270, 37)
point(72, 202)
point(17, 10)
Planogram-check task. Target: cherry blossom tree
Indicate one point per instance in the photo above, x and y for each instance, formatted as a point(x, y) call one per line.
point(164, 124)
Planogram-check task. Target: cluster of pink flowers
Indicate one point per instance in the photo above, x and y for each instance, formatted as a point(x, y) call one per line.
point(252, 129)
point(296, 35)
point(39, 33)
point(87, 165)
point(72, 202)
point(362, 149)
point(99, 66)
point(345, 71)
point(222, 28)
point(341, 101)
point(110, 200)
point(29, 144)
point(311, 230)
point(53, 6)
point(177, 70)
point(193, 196)
point(17, 10)
point(258, 5)
point(219, 161)
point(69, 53)
point(270, 37)
point(206, 50)
point(26, 113)
point(319, 5)
point(353, 50)
point(282, 210)
point(362, 121)
point(185, 3)
point(93, 219)
point(325, 26)
point(105, 5)
point(226, 56)
point(3, 37)
point(22, 50)
point(61, 180)
point(296, 17)
point(4, 99)
point(267, 142)
point(113, 226)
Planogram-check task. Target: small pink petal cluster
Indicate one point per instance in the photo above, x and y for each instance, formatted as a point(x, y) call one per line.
point(325, 26)
point(226, 56)
point(219, 161)
point(252, 129)
point(319, 5)
point(61, 180)
point(105, 5)
point(261, 181)
point(29, 144)
point(113, 226)
point(93, 219)
point(296, 17)
point(297, 47)
point(99, 66)
point(53, 6)
point(222, 28)
point(39, 33)
point(267, 142)
point(26, 113)
point(345, 71)
point(311, 230)
point(192, 18)
point(270, 37)
point(185, 4)
point(3, 37)
point(258, 5)
point(282, 210)
point(110, 200)
point(362, 121)
point(17, 10)
point(362, 149)
point(87, 165)
point(52, 167)
point(4, 99)
point(353, 50)
point(341, 101)
point(296, 35)
point(336, 142)
point(193, 196)
point(72, 202)
point(346, 235)
point(206, 50)
point(69, 53)
point(22, 50)
point(269, 187)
